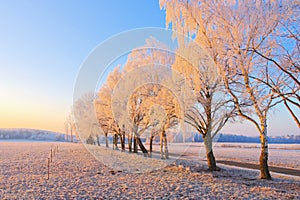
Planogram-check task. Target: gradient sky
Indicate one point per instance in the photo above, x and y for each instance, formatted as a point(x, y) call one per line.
point(43, 44)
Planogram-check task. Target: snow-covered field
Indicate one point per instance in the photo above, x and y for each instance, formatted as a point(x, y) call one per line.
point(283, 155)
point(75, 173)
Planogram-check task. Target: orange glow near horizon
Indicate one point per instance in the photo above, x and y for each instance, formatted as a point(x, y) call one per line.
point(33, 123)
point(32, 117)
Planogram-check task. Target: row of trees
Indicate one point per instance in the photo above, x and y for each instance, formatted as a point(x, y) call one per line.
point(138, 99)
point(234, 60)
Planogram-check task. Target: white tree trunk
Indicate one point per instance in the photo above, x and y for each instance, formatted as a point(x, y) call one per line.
point(211, 162)
point(263, 161)
point(164, 145)
point(106, 141)
point(161, 146)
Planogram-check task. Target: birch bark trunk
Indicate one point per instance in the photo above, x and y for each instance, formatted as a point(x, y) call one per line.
point(263, 160)
point(211, 161)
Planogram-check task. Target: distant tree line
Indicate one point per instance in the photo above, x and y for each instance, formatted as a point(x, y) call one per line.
point(32, 134)
point(289, 139)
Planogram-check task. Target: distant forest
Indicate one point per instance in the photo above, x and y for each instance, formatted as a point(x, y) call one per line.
point(289, 139)
point(32, 134)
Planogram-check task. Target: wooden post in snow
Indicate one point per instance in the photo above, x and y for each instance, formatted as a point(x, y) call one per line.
point(48, 168)
point(51, 155)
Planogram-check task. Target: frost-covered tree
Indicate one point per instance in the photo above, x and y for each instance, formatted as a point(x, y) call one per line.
point(283, 54)
point(85, 117)
point(138, 108)
point(211, 107)
point(103, 107)
point(164, 113)
point(69, 127)
point(144, 70)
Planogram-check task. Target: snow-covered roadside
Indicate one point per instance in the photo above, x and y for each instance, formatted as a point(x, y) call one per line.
point(75, 173)
point(281, 155)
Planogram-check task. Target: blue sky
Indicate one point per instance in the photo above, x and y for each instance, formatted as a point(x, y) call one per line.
point(43, 44)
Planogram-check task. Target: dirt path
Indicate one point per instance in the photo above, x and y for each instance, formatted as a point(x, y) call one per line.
point(280, 170)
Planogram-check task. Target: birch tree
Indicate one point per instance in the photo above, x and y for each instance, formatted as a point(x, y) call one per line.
point(85, 117)
point(70, 127)
point(138, 115)
point(103, 107)
point(153, 106)
point(146, 65)
point(165, 113)
point(212, 107)
point(103, 112)
point(284, 56)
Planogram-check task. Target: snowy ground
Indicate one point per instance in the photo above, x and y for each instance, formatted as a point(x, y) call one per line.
point(282, 155)
point(75, 173)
